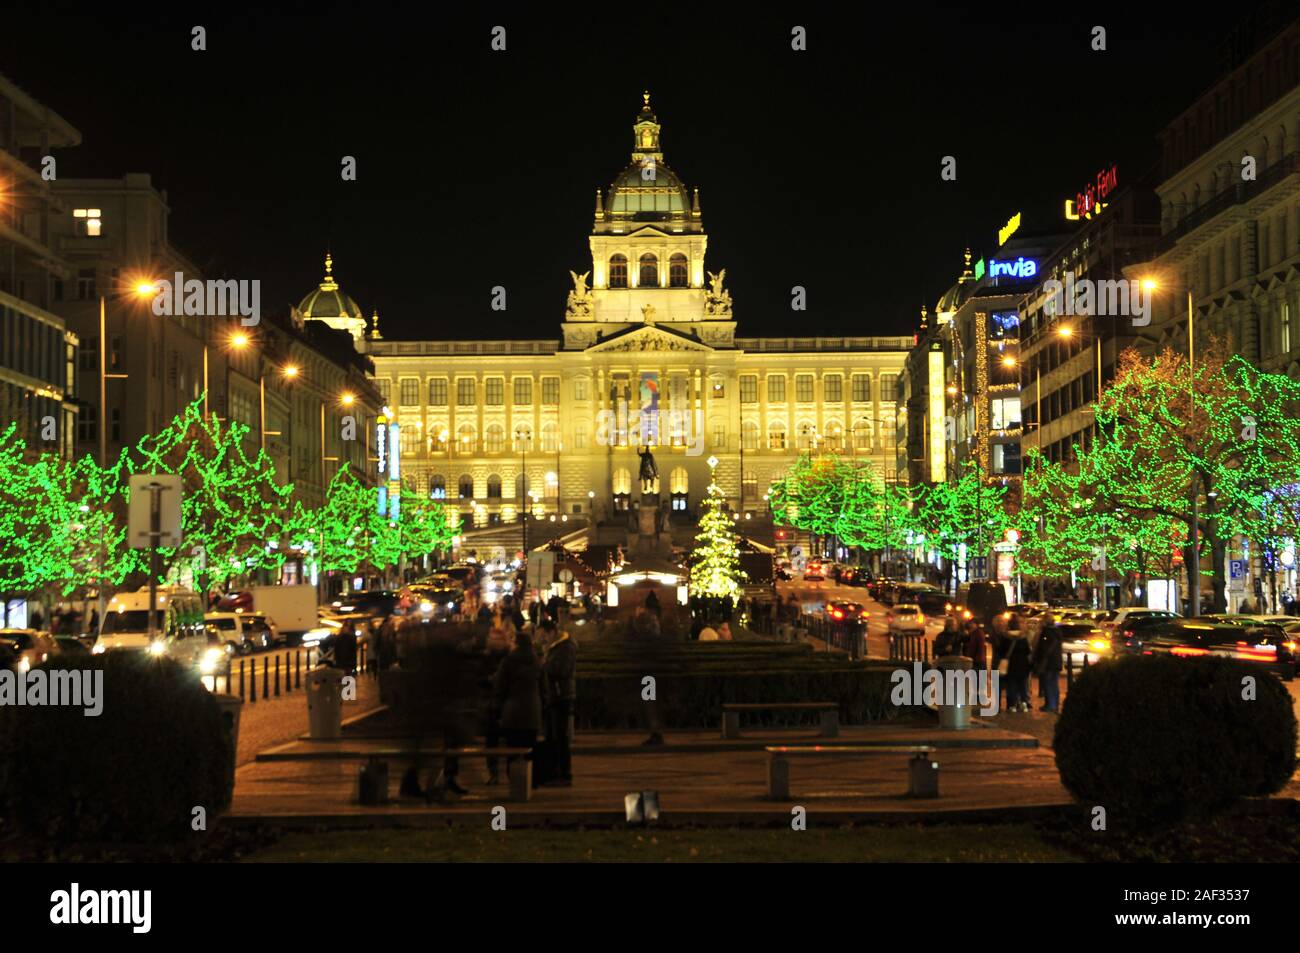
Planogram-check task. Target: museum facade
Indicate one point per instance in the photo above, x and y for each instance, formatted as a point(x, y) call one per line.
point(647, 356)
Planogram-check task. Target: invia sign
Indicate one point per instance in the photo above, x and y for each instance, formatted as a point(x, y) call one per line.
point(1020, 268)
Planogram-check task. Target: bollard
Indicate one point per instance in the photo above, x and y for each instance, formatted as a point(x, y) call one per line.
point(266, 677)
point(1069, 669)
point(297, 668)
point(252, 681)
point(1085, 660)
point(277, 676)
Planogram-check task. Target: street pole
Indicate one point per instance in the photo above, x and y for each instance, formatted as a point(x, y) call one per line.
point(155, 531)
point(1194, 563)
point(261, 397)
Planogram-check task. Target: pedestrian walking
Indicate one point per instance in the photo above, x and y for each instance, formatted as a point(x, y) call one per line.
point(1013, 670)
point(948, 642)
point(976, 646)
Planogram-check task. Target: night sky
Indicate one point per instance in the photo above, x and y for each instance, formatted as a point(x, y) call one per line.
point(476, 168)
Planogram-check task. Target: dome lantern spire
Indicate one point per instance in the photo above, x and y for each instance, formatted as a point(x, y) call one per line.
point(328, 283)
point(646, 133)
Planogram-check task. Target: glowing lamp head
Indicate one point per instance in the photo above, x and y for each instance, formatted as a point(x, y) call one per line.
point(145, 289)
point(347, 399)
point(1065, 332)
point(291, 370)
point(1008, 361)
point(1150, 284)
point(238, 340)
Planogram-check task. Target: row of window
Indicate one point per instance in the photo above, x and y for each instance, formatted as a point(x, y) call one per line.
point(494, 390)
point(648, 271)
point(804, 388)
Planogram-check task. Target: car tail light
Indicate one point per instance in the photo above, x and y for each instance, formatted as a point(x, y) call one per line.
point(1186, 650)
point(837, 614)
point(1290, 646)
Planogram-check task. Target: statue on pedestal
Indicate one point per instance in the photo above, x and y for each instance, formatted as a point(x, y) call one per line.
point(649, 472)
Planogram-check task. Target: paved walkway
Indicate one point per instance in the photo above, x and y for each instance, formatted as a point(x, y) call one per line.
point(698, 777)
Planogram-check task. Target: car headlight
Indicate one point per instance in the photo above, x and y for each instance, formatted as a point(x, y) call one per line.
point(426, 606)
point(24, 665)
point(98, 649)
point(212, 660)
point(158, 648)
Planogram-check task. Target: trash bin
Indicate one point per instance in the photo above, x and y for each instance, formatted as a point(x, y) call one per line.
point(951, 714)
point(325, 702)
point(230, 706)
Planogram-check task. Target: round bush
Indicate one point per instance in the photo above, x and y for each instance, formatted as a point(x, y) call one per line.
point(1155, 739)
point(133, 773)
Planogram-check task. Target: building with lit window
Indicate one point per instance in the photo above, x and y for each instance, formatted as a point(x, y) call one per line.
point(37, 349)
point(647, 355)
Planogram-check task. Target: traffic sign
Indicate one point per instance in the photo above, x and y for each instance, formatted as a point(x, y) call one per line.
point(143, 486)
point(1237, 575)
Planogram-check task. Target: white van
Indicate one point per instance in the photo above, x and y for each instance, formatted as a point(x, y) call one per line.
point(180, 633)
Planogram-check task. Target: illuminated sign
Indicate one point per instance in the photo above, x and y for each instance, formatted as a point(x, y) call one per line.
point(1009, 229)
point(1020, 268)
point(979, 269)
point(1091, 200)
point(381, 445)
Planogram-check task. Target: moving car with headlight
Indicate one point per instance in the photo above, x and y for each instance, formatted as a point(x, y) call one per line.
point(1261, 643)
point(1083, 643)
point(430, 603)
point(243, 632)
point(372, 603)
point(843, 610)
point(179, 631)
point(906, 618)
point(813, 571)
point(27, 648)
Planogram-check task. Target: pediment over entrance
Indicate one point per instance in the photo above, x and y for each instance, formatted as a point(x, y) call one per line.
point(644, 337)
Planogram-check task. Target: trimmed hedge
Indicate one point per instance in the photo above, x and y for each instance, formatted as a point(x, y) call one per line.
point(133, 773)
point(1159, 739)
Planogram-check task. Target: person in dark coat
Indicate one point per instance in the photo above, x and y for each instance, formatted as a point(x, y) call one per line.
point(947, 642)
point(1047, 666)
point(553, 607)
point(560, 670)
point(517, 691)
point(652, 603)
point(345, 648)
point(1014, 650)
point(975, 647)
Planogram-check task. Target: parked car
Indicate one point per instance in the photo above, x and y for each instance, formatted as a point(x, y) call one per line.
point(27, 648)
point(905, 618)
point(931, 599)
point(178, 630)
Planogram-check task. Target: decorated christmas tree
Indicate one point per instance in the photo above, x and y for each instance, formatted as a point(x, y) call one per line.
point(715, 565)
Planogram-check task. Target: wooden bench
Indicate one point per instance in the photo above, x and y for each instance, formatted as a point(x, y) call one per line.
point(922, 771)
point(830, 715)
point(519, 771)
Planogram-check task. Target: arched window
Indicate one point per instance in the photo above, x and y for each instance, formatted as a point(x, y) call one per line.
point(437, 487)
point(466, 441)
point(834, 436)
point(677, 271)
point(806, 436)
point(618, 271)
point(862, 434)
point(749, 435)
point(523, 438)
point(649, 276)
point(494, 438)
point(494, 487)
point(621, 486)
point(466, 487)
point(550, 438)
point(551, 484)
point(679, 485)
point(438, 437)
point(776, 435)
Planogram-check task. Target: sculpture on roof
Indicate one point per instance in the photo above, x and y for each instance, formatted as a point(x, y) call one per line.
point(718, 300)
point(579, 303)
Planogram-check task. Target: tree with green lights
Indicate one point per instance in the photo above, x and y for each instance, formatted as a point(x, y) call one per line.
point(233, 507)
point(964, 515)
point(1225, 424)
point(343, 533)
point(715, 561)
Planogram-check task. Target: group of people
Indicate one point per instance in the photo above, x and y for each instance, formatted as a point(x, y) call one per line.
point(1017, 654)
point(510, 679)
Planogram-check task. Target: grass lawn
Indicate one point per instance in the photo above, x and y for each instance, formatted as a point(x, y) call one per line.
point(971, 843)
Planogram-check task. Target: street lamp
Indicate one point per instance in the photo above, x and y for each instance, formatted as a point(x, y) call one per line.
point(141, 289)
point(1152, 285)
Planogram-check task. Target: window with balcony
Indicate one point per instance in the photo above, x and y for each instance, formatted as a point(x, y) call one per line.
point(550, 391)
point(523, 390)
point(494, 392)
point(749, 389)
point(803, 388)
point(465, 392)
point(410, 391)
point(833, 385)
point(862, 387)
point(776, 389)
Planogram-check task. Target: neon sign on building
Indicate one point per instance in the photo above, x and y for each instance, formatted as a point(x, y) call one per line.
point(1091, 200)
point(1020, 268)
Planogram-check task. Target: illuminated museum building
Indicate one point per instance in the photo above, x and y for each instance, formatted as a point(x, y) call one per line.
point(648, 355)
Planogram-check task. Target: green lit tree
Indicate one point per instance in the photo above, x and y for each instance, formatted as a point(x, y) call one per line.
point(965, 515)
point(233, 507)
